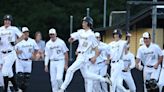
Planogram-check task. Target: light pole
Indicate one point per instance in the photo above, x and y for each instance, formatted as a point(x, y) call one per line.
point(154, 21)
point(70, 46)
point(88, 11)
point(104, 18)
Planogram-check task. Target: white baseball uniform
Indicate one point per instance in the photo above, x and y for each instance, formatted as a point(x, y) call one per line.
point(87, 42)
point(54, 51)
point(161, 81)
point(117, 65)
point(129, 63)
point(1, 76)
point(149, 57)
point(24, 62)
point(101, 67)
point(8, 53)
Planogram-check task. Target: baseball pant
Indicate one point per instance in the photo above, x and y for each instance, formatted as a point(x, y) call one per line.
point(101, 70)
point(161, 81)
point(116, 77)
point(80, 63)
point(8, 59)
point(89, 87)
point(150, 73)
point(7, 72)
point(1, 79)
point(129, 81)
point(23, 66)
point(95, 85)
point(56, 74)
point(1, 75)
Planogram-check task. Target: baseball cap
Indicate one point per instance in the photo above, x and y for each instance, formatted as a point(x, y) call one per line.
point(128, 34)
point(141, 42)
point(52, 31)
point(25, 29)
point(97, 34)
point(146, 35)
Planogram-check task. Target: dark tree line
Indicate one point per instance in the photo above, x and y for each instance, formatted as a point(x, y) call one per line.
point(41, 15)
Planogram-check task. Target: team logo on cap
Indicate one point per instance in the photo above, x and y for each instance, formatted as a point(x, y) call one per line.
point(115, 31)
point(84, 18)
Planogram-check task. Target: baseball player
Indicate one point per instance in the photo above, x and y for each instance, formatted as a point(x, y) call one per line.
point(87, 43)
point(99, 67)
point(101, 64)
point(8, 35)
point(161, 81)
point(151, 56)
point(57, 52)
point(129, 63)
point(117, 48)
point(141, 41)
point(140, 64)
point(25, 50)
point(128, 35)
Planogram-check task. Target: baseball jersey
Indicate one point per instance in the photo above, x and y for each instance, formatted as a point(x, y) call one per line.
point(27, 47)
point(149, 55)
point(129, 60)
point(8, 35)
point(55, 50)
point(87, 40)
point(117, 48)
point(105, 51)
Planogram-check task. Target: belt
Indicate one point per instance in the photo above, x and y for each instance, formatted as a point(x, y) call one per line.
point(101, 62)
point(124, 71)
point(5, 52)
point(55, 59)
point(115, 61)
point(149, 66)
point(24, 59)
point(80, 52)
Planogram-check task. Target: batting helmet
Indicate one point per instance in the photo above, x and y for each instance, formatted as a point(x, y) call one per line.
point(8, 17)
point(117, 31)
point(89, 20)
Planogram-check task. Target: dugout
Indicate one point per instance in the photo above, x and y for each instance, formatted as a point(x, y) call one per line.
point(138, 24)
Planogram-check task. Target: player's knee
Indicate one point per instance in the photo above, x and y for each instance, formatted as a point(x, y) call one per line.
point(4, 73)
point(59, 82)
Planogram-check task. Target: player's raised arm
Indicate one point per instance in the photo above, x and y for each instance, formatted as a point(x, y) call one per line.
point(74, 36)
point(20, 35)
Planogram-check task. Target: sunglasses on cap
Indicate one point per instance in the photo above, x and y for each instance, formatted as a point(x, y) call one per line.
point(145, 38)
point(51, 34)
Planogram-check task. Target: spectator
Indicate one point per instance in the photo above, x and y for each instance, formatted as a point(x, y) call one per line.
point(41, 45)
